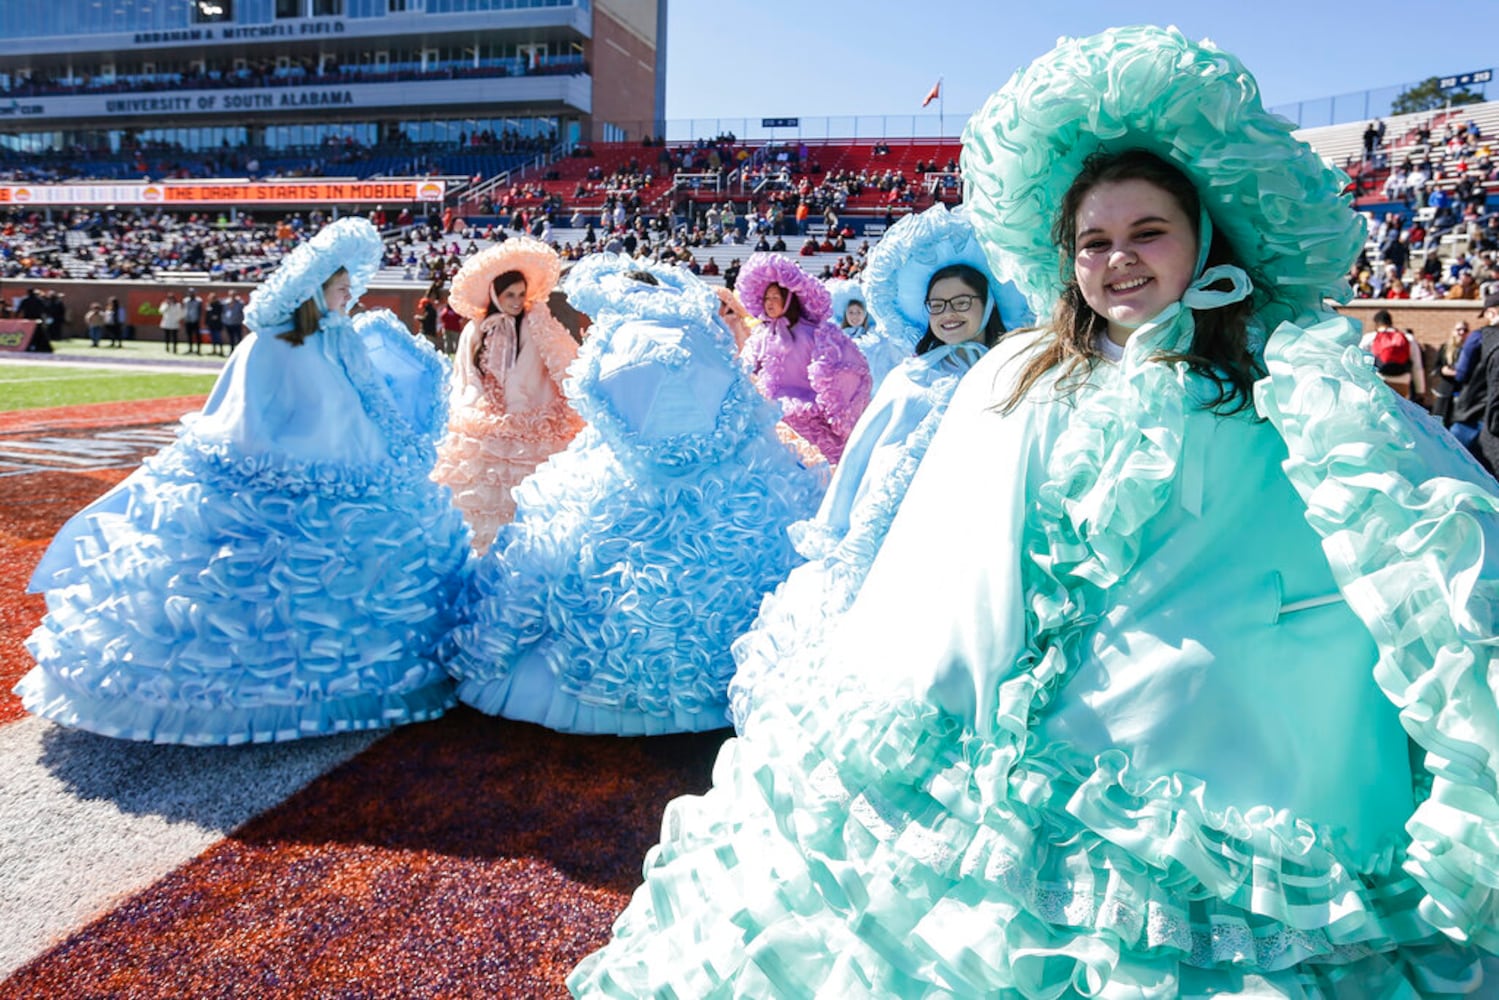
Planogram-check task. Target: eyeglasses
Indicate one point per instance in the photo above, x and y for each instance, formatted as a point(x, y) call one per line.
point(958, 303)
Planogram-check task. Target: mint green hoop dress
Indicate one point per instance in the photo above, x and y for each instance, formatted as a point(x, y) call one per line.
point(1221, 731)
point(1138, 700)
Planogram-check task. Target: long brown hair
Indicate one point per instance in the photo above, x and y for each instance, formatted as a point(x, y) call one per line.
point(497, 287)
point(307, 318)
point(1219, 350)
point(502, 281)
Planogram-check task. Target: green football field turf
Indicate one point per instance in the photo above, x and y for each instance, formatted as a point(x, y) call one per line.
point(29, 387)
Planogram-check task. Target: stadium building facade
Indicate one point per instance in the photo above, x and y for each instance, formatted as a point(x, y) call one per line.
point(118, 80)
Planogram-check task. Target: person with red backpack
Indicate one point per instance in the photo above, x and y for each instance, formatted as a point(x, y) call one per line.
point(1397, 354)
point(451, 323)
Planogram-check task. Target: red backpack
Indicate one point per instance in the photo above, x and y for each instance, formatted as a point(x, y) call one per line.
point(1390, 349)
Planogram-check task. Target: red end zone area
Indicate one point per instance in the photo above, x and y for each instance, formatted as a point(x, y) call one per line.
point(53, 462)
point(469, 856)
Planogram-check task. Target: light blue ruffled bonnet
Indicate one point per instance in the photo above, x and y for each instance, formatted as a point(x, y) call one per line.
point(845, 291)
point(656, 378)
point(353, 244)
point(901, 266)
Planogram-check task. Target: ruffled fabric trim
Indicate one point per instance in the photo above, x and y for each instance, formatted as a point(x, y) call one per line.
point(599, 283)
point(873, 854)
point(804, 451)
point(609, 604)
point(1408, 523)
point(793, 622)
point(628, 589)
point(485, 456)
point(204, 612)
point(682, 304)
point(430, 387)
point(761, 270)
point(838, 374)
point(897, 851)
point(410, 449)
point(353, 244)
point(883, 352)
point(740, 417)
point(490, 449)
point(44, 696)
point(551, 339)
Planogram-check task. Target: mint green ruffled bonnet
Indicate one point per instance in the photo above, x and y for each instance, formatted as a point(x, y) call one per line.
point(1284, 210)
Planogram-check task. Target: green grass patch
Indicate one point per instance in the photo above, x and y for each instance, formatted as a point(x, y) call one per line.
point(32, 387)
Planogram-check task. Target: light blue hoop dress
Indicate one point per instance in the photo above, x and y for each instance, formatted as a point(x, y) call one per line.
point(883, 452)
point(285, 568)
point(882, 348)
point(640, 551)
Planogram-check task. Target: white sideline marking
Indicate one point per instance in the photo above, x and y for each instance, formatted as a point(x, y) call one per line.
point(104, 450)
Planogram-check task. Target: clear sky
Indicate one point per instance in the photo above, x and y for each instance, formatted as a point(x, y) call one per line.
point(820, 58)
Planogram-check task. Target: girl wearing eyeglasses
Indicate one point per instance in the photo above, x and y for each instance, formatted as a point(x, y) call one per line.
point(928, 284)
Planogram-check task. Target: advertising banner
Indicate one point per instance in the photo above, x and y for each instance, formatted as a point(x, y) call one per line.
point(15, 334)
point(244, 194)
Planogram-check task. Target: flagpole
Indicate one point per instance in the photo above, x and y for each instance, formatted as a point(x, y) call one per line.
point(941, 111)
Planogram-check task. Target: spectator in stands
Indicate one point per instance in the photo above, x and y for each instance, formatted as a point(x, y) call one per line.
point(93, 321)
point(192, 318)
point(1415, 236)
point(1416, 182)
point(809, 247)
point(1397, 357)
point(171, 310)
point(114, 322)
point(1465, 288)
point(233, 315)
point(1478, 393)
point(1397, 184)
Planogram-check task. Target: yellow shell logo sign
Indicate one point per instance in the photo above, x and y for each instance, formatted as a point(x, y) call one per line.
point(151, 192)
point(429, 191)
point(22, 194)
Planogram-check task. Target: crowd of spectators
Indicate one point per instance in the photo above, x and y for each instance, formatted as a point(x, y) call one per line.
point(105, 245)
point(265, 73)
point(1435, 237)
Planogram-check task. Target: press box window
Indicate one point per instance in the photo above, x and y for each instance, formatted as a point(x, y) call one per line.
point(212, 11)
